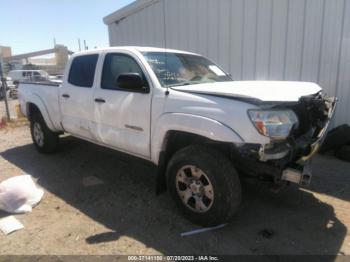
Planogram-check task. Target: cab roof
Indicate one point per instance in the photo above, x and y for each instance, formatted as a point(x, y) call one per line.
point(140, 49)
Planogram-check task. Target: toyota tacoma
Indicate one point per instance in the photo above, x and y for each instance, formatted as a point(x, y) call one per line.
point(203, 130)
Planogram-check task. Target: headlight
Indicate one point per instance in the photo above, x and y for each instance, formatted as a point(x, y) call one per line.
point(276, 124)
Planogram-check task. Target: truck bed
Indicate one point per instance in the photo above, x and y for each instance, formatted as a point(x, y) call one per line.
point(46, 96)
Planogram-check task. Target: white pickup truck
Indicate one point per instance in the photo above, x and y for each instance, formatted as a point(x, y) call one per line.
point(180, 111)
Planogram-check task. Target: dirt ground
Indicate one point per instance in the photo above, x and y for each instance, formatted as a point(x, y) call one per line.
point(124, 216)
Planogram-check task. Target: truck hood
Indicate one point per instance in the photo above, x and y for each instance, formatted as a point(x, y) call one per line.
point(258, 91)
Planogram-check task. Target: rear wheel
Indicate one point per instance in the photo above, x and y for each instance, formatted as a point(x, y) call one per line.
point(204, 185)
point(45, 141)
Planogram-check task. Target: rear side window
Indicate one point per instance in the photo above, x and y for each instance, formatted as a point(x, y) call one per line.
point(82, 70)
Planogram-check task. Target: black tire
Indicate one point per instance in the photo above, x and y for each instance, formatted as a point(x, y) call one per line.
point(50, 140)
point(223, 178)
point(336, 138)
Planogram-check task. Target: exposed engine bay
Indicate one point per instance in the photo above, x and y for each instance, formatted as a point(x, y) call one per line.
point(313, 114)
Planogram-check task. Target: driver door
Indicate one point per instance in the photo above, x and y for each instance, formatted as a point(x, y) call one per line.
point(122, 117)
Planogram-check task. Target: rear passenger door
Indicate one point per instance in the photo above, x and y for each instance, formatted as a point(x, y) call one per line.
point(76, 96)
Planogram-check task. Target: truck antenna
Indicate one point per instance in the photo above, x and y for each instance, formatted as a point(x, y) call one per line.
point(165, 48)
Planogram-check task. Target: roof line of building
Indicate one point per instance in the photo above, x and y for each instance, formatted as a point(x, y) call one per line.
point(130, 9)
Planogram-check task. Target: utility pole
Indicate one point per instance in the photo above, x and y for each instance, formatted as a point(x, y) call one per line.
point(79, 44)
point(3, 89)
point(85, 47)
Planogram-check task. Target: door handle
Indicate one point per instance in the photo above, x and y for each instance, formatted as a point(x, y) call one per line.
point(100, 100)
point(65, 95)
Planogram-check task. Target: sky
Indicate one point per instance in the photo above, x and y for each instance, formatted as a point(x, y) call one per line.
point(31, 25)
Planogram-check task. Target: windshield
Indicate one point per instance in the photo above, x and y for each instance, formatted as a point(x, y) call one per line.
point(175, 69)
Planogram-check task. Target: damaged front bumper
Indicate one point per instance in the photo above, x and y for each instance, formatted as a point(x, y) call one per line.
point(286, 160)
point(303, 177)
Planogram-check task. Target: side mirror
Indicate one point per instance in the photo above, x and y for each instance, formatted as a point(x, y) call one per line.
point(132, 82)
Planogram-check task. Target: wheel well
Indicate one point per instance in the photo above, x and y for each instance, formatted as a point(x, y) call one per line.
point(32, 110)
point(173, 142)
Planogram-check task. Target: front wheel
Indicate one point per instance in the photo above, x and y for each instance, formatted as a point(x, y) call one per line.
point(45, 141)
point(204, 185)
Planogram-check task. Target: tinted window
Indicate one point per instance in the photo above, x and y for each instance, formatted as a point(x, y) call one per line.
point(82, 70)
point(115, 65)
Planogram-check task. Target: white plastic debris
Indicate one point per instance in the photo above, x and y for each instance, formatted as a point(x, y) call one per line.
point(10, 224)
point(201, 230)
point(19, 194)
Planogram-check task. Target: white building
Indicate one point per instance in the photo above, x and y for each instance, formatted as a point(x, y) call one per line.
point(302, 40)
